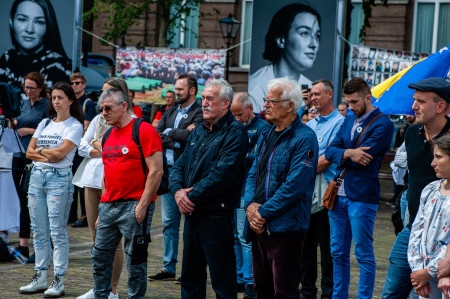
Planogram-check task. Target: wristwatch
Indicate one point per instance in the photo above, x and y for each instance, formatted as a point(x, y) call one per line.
point(40, 149)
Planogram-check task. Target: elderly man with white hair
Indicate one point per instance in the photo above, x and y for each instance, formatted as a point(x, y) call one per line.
point(279, 192)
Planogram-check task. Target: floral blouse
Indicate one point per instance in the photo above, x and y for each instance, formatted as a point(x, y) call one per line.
point(430, 230)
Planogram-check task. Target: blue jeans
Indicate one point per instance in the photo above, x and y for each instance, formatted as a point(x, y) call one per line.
point(49, 200)
point(398, 283)
point(171, 217)
point(208, 241)
point(242, 249)
point(351, 218)
point(117, 219)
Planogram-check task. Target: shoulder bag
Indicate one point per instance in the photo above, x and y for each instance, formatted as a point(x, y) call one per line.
point(330, 194)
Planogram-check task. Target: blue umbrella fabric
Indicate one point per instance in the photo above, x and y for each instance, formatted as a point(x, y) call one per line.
point(393, 95)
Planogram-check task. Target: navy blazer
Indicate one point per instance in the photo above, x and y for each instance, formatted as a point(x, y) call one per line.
point(180, 134)
point(361, 182)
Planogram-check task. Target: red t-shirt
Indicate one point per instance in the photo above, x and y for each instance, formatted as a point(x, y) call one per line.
point(124, 178)
point(137, 110)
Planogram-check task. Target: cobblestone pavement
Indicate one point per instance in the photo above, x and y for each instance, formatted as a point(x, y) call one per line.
point(79, 277)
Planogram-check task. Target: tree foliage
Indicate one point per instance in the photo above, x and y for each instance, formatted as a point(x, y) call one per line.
point(122, 14)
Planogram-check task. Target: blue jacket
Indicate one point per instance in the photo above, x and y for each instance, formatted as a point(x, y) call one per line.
point(361, 182)
point(291, 172)
point(213, 162)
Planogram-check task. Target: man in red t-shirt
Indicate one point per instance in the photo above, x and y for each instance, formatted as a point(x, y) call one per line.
point(127, 205)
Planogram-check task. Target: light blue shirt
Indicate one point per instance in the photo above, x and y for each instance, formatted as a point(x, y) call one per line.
point(326, 128)
point(182, 113)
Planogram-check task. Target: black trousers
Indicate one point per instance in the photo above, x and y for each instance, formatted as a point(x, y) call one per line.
point(318, 234)
point(18, 164)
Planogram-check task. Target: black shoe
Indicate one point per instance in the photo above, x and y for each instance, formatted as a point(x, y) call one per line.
point(162, 275)
point(249, 292)
point(31, 259)
point(241, 287)
point(81, 222)
point(178, 281)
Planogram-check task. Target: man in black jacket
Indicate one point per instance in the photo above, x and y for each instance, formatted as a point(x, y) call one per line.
point(206, 182)
point(174, 128)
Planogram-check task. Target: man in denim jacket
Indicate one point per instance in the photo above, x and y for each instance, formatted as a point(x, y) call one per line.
point(279, 192)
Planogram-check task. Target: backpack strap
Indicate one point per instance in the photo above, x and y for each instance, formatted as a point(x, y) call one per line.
point(135, 136)
point(105, 136)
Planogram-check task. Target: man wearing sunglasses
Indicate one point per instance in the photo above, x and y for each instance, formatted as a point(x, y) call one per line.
point(78, 83)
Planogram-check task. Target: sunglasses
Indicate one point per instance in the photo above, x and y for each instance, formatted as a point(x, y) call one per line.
point(312, 110)
point(107, 109)
point(75, 83)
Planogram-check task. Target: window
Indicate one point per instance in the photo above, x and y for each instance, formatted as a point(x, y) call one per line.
point(246, 33)
point(431, 23)
point(357, 20)
point(185, 31)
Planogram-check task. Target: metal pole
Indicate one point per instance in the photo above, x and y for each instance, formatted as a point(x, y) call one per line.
point(228, 62)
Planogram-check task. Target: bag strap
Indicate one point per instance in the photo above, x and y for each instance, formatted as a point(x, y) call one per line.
point(342, 174)
point(366, 128)
point(135, 136)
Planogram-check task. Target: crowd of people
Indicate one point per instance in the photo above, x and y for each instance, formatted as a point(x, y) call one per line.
point(249, 189)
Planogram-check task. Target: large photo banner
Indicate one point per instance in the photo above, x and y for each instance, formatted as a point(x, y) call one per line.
point(291, 38)
point(376, 65)
point(150, 72)
point(37, 36)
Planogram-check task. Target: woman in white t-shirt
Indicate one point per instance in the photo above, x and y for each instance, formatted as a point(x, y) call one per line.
point(52, 149)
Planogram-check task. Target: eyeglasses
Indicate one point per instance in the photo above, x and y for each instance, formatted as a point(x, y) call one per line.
point(271, 102)
point(75, 83)
point(313, 110)
point(30, 88)
point(107, 109)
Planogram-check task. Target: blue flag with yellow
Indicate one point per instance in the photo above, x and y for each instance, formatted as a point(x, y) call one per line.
point(393, 96)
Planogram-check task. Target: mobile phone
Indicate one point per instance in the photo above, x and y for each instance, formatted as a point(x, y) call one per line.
point(305, 87)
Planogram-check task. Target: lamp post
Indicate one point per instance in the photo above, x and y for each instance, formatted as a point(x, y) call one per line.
point(229, 28)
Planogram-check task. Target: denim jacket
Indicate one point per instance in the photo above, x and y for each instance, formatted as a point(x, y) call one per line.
point(291, 172)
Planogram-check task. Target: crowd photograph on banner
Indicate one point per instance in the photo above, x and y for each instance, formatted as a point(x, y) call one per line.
point(376, 65)
point(152, 71)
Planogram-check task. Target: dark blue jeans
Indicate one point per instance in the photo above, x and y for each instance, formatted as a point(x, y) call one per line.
point(208, 241)
point(277, 265)
point(398, 282)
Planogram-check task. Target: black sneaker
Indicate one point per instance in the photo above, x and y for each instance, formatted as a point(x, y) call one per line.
point(249, 292)
point(81, 222)
point(162, 275)
point(241, 287)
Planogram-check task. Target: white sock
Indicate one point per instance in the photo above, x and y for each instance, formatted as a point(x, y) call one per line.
point(4, 237)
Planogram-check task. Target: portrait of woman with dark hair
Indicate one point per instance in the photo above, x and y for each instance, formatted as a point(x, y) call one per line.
point(291, 45)
point(37, 45)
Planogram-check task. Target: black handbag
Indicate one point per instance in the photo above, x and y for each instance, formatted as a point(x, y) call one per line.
point(25, 178)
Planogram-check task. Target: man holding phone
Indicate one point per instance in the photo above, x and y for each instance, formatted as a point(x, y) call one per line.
point(306, 99)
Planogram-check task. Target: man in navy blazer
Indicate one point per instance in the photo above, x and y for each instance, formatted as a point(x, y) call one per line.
point(355, 208)
point(174, 128)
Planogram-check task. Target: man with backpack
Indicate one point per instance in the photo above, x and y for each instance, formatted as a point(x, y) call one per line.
point(126, 208)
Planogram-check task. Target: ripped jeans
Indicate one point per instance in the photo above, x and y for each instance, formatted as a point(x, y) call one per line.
point(116, 219)
point(49, 200)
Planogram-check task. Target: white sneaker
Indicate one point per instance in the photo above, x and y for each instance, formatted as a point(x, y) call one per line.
point(56, 288)
point(37, 284)
point(112, 296)
point(89, 295)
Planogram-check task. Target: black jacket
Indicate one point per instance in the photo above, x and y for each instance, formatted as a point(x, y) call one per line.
point(180, 134)
point(213, 162)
